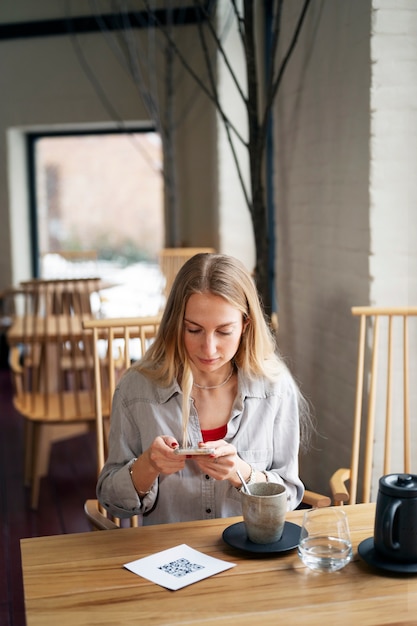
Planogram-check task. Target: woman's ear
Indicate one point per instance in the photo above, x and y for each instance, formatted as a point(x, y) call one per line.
point(246, 323)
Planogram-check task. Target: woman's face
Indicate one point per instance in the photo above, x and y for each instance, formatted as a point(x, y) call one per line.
point(212, 331)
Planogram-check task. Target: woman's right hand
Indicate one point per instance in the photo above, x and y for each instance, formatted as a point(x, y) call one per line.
point(161, 457)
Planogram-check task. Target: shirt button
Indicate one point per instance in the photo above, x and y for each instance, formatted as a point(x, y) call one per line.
point(208, 510)
point(207, 477)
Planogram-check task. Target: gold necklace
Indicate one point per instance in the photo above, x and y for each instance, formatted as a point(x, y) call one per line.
point(229, 376)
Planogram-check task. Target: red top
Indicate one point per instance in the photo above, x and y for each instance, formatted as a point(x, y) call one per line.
point(214, 433)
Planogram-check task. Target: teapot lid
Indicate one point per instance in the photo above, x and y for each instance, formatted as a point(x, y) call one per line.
point(399, 485)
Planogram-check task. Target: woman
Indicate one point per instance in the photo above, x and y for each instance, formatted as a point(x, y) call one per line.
point(211, 379)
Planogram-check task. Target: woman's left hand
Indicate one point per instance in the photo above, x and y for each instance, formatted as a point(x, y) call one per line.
point(223, 464)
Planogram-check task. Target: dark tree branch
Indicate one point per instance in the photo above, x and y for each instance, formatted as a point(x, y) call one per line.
point(220, 48)
point(225, 120)
point(197, 79)
point(258, 116)
point(278, 79)
point(276, 31)
point(253, 110)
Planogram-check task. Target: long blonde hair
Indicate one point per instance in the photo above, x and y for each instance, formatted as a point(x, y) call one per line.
point(166, 360)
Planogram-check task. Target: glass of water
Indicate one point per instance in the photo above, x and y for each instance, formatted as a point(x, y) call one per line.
point(325, 544)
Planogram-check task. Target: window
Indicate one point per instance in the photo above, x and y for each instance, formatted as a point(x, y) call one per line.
point(96, 198)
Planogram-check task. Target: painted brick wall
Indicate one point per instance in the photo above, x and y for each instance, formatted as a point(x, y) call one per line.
point(393, 180)
point(345, 198)
point(393, 187)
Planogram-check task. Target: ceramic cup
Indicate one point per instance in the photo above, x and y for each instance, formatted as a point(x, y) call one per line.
point(395, 532)
point(264, 511)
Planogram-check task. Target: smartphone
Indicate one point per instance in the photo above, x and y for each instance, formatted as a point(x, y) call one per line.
point(194, 451)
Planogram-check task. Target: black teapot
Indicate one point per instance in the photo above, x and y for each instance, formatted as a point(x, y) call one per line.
point(395, 532)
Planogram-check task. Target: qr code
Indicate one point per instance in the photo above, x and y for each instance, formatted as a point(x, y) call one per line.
point(180, 567)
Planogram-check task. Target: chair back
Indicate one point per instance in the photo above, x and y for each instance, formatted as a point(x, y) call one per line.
point(55, 356)
point(385, 391)
point(172, 259)
point(116, 344)
point(61, 296)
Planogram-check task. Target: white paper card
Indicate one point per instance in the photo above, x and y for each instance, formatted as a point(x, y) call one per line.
point(177, 567)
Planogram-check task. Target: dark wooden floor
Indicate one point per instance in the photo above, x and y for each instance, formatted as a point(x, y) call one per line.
point(71, 480)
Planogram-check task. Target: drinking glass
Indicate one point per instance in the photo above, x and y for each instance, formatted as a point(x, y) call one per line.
point(325, 544)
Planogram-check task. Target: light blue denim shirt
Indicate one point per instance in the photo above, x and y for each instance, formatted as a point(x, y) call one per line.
point(263, 427)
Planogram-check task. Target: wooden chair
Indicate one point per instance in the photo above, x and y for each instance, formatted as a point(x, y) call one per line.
point(386, 359)
point(62, 296)
point(117, 335)
point(52, 374)
point(172, 259)
point(116, 343)
point(69, 298)
point(317, 500)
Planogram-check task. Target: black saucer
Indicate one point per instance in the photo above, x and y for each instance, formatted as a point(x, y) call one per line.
point(372, 557)
point(235, 536)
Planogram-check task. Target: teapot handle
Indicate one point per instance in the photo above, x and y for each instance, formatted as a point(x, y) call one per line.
point(388, 525)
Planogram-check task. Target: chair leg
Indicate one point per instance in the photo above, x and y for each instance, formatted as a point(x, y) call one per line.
point(40, 461)
point(35, 478)
point(44, 435)
point(28, 452)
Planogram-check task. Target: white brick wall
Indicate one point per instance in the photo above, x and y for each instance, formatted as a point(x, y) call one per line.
point(393, 179)
point(346, 198)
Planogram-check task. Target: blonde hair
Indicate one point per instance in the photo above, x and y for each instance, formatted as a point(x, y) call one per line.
point(220, 275)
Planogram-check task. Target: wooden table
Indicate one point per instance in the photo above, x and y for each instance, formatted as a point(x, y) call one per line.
point(50, 328)
point(53, 328)
point(80, 579)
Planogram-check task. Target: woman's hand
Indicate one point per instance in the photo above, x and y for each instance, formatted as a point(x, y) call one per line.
point(222, 465)
point(159, 458)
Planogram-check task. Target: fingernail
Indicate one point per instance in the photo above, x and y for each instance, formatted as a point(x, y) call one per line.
point(174, 445)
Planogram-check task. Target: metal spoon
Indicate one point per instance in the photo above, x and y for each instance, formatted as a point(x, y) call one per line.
point(245, 487)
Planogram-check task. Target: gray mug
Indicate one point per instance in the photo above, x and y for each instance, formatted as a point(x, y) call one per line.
point(395, 531)
point(264, 511)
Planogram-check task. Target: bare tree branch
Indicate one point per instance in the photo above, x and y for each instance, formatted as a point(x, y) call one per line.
point(220, 49)
point(284, 64)
point(211, 38)
point(239, 20)
point(225, 120)
point(252, 78)
point(276, 30)
point(196, 77)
